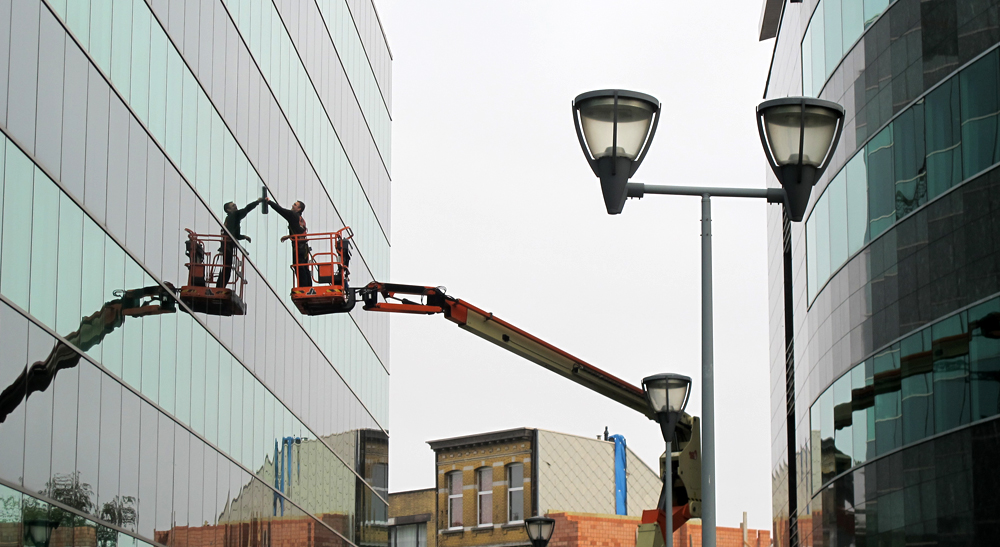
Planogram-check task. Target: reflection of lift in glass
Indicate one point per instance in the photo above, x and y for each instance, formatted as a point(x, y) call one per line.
point(202, 293)
point(36, 377)
point(327, 290)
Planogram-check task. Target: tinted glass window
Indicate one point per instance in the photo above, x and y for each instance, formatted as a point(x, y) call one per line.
point(943, 126)
point(881, 195)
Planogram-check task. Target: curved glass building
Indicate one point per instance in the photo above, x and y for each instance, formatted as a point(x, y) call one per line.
point(894, 394)
point(132, 413)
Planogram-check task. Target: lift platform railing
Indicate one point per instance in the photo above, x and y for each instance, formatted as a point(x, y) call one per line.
point(328, 257)
point(205, 266)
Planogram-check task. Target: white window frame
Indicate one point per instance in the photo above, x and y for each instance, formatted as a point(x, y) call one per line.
point(511, 488)
point(481, 493)
point(450, 479)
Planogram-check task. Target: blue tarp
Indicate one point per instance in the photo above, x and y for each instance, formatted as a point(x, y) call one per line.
point(621, 473)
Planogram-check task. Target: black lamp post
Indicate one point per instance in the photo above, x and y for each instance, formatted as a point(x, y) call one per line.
point(539, 530)
point(799, 135)
point(615, 128)
point(667, 395)
point(39, 531)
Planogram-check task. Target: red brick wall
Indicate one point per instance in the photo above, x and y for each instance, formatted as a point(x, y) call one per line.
point(589, 530)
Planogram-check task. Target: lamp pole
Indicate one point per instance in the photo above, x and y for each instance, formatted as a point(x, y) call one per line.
point(667, 396)
point(772, 195)
point(799, 135)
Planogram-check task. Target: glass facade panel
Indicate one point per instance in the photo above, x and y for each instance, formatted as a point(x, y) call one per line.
point(834, 28)
point(980, 108)
point(902, 314)
point(112, 419)
point(943, 127)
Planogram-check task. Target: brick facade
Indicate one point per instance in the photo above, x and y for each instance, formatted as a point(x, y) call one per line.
point(413, 507)
point(590, 530)
point(494, 454)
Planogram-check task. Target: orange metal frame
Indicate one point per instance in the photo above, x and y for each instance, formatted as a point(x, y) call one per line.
point(325, 263)
point(214, 263)
point(200, 291)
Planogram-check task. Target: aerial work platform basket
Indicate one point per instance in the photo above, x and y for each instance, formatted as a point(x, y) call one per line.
point(203, 291)
point(327, 288)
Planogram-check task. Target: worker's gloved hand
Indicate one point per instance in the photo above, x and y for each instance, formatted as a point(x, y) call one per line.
point(248, 239)
point(284, 239)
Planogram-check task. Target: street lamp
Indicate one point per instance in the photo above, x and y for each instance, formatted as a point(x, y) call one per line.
point(539, 530)
point(799, 135)
point(39, 531)
point(667, 395)
point(615, 128)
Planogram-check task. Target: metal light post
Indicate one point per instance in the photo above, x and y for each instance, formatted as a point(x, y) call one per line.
point(667, 395)
point(539, 530)
point(799, 135)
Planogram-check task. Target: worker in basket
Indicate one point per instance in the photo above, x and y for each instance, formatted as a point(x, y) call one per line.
point(300, 249)
point(234, 217)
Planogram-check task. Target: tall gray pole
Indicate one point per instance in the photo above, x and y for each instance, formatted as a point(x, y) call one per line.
point(772, 195)
point(668, 495)
point(707, 380)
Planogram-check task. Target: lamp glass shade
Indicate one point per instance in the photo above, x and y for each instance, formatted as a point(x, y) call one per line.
point(667, 392)
point(597, 119)
point(539, 528)
point(39, 531)
point(784, 125)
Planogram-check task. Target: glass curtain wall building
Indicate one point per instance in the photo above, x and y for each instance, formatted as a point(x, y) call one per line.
point(895, 275)
point(127, 416)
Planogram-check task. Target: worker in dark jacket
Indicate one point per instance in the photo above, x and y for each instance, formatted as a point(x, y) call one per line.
point(234, 217)
point(300, 248)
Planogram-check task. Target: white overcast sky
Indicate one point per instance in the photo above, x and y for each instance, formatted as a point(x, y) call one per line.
point(493, 199)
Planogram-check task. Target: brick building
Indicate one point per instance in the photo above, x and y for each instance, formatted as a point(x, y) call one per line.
point(488, 483)
point(592, 530)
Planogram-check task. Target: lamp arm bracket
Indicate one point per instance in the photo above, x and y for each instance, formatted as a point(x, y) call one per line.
point(772, 195)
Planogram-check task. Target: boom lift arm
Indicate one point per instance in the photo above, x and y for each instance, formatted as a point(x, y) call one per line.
point(493, 329)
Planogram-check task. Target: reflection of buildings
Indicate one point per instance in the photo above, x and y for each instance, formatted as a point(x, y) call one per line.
point(896, 383)
point(121, 124)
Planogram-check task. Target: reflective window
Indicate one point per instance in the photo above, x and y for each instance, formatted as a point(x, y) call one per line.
point(834, 28)
point(980, 108)
point(454, 499)
point(935, 380)
point(925, 151)
point(484, 495)
point(22, 78)
point(51, 68)
point(943, 131)
point(515, 492)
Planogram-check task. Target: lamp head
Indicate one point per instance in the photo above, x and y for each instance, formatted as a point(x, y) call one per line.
point(539, 530)
point(667, 396)
point(799, 135)
point(615, 128)
point(39, 531)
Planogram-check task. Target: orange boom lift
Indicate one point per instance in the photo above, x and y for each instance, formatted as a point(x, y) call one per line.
point(330, 291)
point(204, 269)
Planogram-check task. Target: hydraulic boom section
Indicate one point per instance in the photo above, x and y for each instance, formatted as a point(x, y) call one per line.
point(493, 329)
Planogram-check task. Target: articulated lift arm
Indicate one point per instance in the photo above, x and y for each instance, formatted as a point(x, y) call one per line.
point(493, 329)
